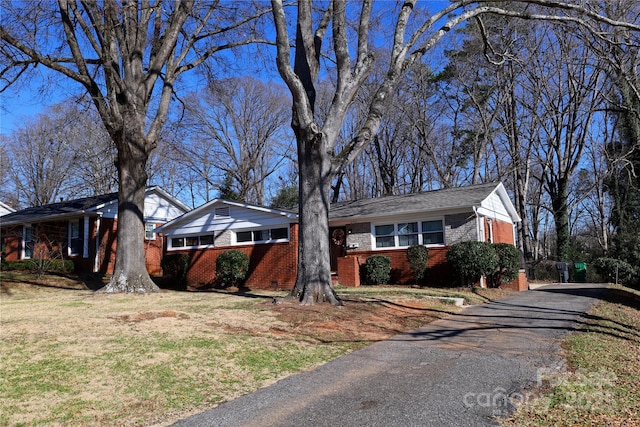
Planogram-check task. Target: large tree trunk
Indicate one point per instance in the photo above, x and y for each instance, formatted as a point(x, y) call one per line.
point(313, 281)
point(561, 218)
point(130, 272)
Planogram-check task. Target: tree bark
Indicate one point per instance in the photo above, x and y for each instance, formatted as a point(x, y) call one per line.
point(561, 218)
point(130, 271)
point(313, 280)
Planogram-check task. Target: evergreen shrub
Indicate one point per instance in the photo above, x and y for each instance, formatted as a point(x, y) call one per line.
point(175, 267)
point(232, 267)
point(508, 263)
point(51, 266)
point(606, 269)
point(472, 260)
point(418, 257)
point(378, 270)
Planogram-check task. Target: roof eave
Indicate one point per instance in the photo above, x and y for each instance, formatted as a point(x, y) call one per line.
point(52, 218)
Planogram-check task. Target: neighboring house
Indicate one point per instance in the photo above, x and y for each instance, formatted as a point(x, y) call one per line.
point(386, 225)
point(5, 209)
point(84, 230)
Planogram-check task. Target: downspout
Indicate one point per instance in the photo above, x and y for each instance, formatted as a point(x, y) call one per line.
point(480, 238)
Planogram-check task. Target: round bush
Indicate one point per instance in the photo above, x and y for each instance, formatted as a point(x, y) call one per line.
point(472, 260)
point(232, 267)
point(378, 269)
point(175, 267)
point(418, 257)
point(508, 263)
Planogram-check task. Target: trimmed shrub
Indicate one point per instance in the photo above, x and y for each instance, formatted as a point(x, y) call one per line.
point(508, 264)
point(15, 266)
point(418, 257)
point(38, 266)
point(377, 270)
point(606, 269)
point(175, 267)
point(232, 267)
point(472, 260)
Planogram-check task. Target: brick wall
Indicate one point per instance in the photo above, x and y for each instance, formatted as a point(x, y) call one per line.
point(268, 263)
point(439, 273)
point(502, 232)
point(11, 238)
point(107, 247)
point(153, 252)
point(519, 284)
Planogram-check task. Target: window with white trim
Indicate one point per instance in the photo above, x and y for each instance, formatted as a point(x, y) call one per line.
point(432, 232)
point(265, 235)
point(75, 243)
point(149, 234)
point(190, 242)
point(405, 234)
point(28, 242)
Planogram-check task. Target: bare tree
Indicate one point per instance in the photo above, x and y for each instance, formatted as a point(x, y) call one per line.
point(414, 35)
point(242, 123)
point(127, 56)
point(570, 96)
point(44, 157)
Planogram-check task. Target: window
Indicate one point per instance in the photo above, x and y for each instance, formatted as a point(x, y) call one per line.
point(29, 243)
point(279, 233)
point(244, 236)
point(263, 236)
point(432, 233)
point(206, 240)
point(148, 231)
point(406, 234)
point(191, 241)
point(75, 244)
point(385, 236)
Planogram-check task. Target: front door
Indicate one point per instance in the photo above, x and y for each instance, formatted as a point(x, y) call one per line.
point(337, 245)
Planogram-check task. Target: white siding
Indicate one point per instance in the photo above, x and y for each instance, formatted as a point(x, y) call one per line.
point(110, 210)
point(157, 208)
point(4, 209)
point(493, 207)
point(240, 218)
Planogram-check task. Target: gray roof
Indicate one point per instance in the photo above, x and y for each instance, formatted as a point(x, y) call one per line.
point(449, 198)
point(57, 210)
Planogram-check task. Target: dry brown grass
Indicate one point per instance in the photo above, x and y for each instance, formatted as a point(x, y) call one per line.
point(600, 387)
point(70, 356)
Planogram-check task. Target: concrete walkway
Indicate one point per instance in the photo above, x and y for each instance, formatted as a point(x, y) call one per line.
point(465, 370)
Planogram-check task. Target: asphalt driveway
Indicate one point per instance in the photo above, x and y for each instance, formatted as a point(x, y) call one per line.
point(466, 370)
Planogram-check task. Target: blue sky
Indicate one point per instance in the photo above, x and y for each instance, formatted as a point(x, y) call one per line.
point(23, 101)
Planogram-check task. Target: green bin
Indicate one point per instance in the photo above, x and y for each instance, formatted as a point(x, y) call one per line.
point(580, 272)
